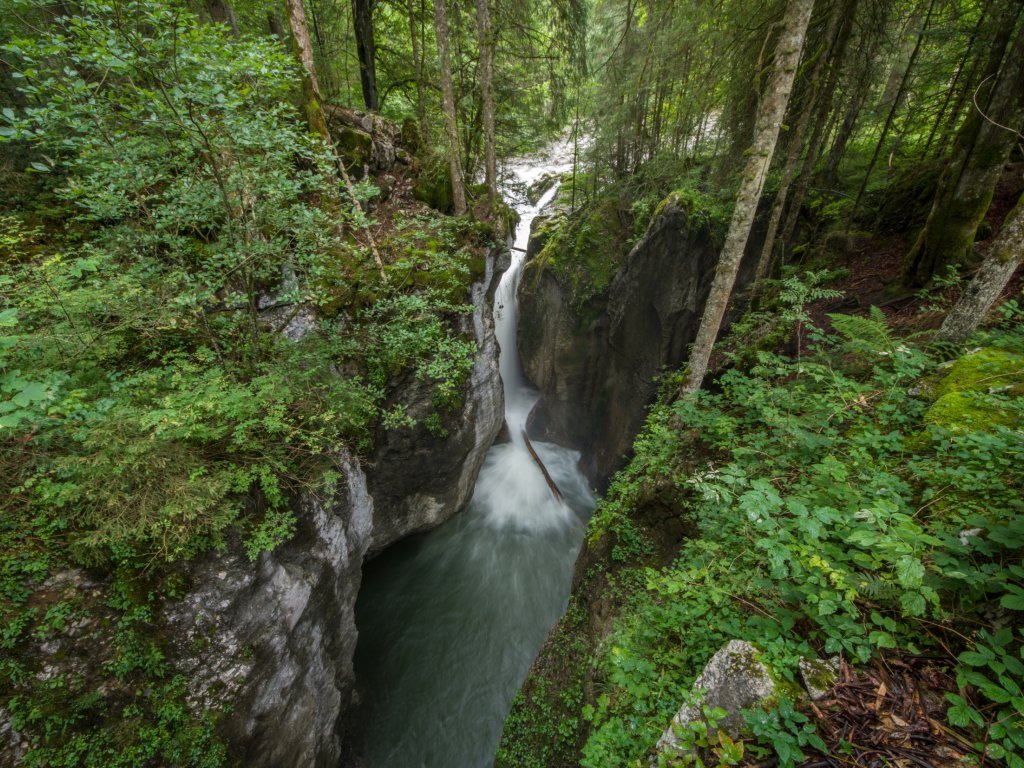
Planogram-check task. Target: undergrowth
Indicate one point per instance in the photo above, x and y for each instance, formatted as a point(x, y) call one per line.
point(836, 515)
point(190, 329)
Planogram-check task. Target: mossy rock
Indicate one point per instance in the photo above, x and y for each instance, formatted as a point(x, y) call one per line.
point(354, 146)
point(962, 398)
point(984, 370)
point(585, 251)
point(538, 188)
point(434, 187)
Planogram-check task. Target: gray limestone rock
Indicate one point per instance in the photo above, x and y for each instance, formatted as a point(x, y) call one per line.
point(597, 365)
point(275, 640)
point(819, 676)
point(734, 679)
point(419, 479)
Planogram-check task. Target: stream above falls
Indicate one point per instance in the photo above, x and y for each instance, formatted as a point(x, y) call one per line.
point(449, 621)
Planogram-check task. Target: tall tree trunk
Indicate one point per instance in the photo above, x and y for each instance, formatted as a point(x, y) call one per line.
point(893, 109)
point(275, 27)
point(836, 153)
point(837, 57)
point(969, 55)
point(221, 12)
point(769, 120)
point(997, 43)
point(311, 100)
point(448, 99)
point(417, 62)
point(796, 140)
point(894, 90)
point(1002, 261)
point(366, 50)
point(485, 36)
point(966, 187)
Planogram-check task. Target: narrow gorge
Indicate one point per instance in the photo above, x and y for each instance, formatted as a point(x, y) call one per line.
point(541, 384)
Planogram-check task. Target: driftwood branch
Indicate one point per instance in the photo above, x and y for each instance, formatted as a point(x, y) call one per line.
point(543, 470)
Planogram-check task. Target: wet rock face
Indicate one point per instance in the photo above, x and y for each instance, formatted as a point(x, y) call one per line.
point(276, 640)
point(419, 478)
point(596, 365)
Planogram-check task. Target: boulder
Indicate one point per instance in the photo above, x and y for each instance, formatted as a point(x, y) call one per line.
point(733, 680)
point(819, 676)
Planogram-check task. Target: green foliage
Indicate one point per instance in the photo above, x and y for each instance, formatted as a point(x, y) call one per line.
point(995, 672)
point(184, 347)
point(865, 334)
point(834, 518)
point(785, 730)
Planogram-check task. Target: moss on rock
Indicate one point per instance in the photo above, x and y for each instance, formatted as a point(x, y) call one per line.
point(584, 250)
point(967, 397)
point(354, 146)
point(434, 187)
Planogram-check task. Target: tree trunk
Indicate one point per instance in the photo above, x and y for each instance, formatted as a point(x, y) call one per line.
point(893, 109)
point(966, 187)
point(997, 45)
point(969, 55)
point(311, 101)
point(448, 99)
point(837, 57)
point(366, 50)
point(221, 12)
point(1002, 261)
point(769, 120)
point(796, 140)
point(275, 27)
point(894, 90)
point(417, 61)
point(485, 38)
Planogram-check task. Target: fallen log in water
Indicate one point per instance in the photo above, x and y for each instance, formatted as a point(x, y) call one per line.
point(544, 470)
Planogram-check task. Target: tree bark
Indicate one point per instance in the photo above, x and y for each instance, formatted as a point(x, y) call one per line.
point(485, 37)
point(796, 140)
point(311, 101)
point(366, 50)
point(769, 121)
point(448, 99)
point(837, 57)
point(968, 183)
point(417, 61)
point(968, 56)
point(221, 12)
point(1003, 259)
point(1007, 14)
point(275, 27)
point(893, 108)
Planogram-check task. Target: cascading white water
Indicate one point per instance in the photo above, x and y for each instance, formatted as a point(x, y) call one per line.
point(449, 622)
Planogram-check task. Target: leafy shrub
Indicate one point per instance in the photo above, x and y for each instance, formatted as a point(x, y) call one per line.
point(834, 518)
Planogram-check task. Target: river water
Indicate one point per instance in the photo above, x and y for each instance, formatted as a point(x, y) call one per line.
point(450, 621)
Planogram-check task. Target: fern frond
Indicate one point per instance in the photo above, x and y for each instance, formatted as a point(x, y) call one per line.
point(864, 333)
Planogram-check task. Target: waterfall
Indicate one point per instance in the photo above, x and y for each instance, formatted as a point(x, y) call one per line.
point(450, 621)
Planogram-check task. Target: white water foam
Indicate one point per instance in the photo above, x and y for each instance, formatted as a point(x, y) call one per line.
point(450, 622)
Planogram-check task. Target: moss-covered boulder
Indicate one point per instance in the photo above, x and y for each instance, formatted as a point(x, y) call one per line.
point(434, 187)
point(585, 251)
point(354, 146)
point(974, 392)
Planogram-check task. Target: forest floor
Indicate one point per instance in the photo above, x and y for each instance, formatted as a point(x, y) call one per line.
point(874, 266)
